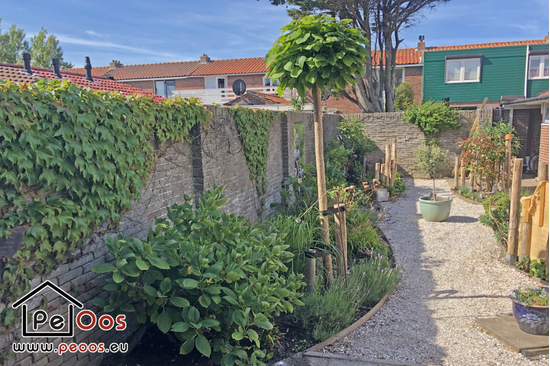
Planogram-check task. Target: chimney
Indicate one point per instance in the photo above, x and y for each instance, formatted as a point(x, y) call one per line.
point(205, 59)
point(55, 64)
point(115, 64)
point(88, 68)
point(27, 63)
point(421, 45)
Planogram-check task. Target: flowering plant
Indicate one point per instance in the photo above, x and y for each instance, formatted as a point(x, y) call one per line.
point(531, 296)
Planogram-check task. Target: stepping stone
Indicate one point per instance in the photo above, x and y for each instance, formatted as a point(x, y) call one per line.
point(506, 330)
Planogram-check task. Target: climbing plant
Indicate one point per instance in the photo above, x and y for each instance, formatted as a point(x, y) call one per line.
point(71, 159)
point(253, 126)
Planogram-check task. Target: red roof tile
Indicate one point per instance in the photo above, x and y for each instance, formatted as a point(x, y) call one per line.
point(96, 71)
point(544, 94)
point(232, 66)
point(487, 45)
point(404, 56)
point(16, 74)
point(256, 98)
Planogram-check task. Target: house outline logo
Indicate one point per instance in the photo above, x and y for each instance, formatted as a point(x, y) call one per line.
point(41, 317)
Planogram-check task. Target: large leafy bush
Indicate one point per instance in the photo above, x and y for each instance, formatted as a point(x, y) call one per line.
point(207, 277)
point(432, 118)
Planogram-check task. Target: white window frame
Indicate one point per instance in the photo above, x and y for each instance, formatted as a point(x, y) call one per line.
point(216, 78)
point(541, 67)
point(270, 82)
point(462, 68)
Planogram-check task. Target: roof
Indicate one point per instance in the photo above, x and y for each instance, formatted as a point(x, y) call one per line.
point(544, 94)
point(539, 99)
point(16, 74)
point(403, 56)
point(486, 45)
point(256, 98)
point(250, 65)
point(52, 286)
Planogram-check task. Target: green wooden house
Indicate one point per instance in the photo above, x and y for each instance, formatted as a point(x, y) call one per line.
point(467, 74)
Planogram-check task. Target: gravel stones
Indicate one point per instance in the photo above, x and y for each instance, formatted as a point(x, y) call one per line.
point(451, 276)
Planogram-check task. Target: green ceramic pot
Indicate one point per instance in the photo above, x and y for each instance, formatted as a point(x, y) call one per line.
point(438, 210)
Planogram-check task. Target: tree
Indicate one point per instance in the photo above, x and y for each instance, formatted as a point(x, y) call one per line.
point(317, 52)
point(404, 96)
point(44, 48)
point(382, 21)
point(12, 44)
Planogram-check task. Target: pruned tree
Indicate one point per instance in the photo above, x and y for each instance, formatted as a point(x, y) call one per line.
point(317, 52)
point(382, 21)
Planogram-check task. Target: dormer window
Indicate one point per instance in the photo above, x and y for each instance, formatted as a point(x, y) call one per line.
point(538, 67)
point(463, 69)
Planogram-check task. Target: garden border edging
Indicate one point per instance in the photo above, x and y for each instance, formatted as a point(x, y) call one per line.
point(348, 330)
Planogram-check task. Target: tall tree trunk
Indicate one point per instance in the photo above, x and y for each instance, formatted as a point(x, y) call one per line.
point(321, 180)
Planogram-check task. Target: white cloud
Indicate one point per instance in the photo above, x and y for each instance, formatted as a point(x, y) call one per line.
point(93, 33)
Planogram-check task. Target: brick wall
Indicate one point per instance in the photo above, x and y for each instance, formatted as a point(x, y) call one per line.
point(213, 157)
point(147, 85)
point(543, 152)
point(190, 83)
point(249, 80)
point(413, 75)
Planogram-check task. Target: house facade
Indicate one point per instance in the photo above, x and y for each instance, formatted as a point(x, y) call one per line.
point(467, 74)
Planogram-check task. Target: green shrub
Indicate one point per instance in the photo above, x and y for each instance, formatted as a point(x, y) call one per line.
point(326, 313)
point(354, 136)
point(497, 218)
point(432, 118)
point(362, 232)
point(398, 187)
point(404, 97)
point(208, 278)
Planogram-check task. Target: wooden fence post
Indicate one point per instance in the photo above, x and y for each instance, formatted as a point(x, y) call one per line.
point(507, 162)
point(393, 161)
point(341, 239)
point(377, 171)
point(525, 232)
point(310, 270)
point(462, 173)
point(515, 194)
point(387, 162)
point(457, 164)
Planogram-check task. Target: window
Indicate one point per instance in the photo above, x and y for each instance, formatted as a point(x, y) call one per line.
point(465, 70)
point(214, 83)
point(538, 67)
point(269, 82)
point(164, 88)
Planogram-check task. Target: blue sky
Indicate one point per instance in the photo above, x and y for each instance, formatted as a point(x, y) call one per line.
point(163, 30)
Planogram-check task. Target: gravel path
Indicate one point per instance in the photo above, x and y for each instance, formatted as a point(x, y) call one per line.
point(451, 275)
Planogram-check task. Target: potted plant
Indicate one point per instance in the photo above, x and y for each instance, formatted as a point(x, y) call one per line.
point(429, 159)
point(530, 308)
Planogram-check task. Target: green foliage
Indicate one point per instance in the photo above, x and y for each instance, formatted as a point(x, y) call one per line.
point(432, 118)
point(404, 97)
point(44, 48)
point(497, 218)
point(209, 278)
point(326, 313)
point(301, 195)
point(354, 136)
point(534, 267)
point(336, 158)
point(317, 51)
point(254, 126)
point(362, 233)
point(82, 157)
point(298, 103)
point(531, 296)
point(398, 187)
point(13, 44)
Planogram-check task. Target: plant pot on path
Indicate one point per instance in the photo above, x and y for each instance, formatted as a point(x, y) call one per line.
point(530, 309)
point(435, 211)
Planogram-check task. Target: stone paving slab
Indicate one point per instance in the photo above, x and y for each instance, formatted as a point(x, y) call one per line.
point(506, 329)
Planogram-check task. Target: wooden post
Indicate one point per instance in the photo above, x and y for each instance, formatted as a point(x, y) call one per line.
point(393, 160)
point(387, 162)
point(472, 180)
point(310, 270)
point(525, 231)
point(457, 165)
point(462, 173)
point(515, 194)
point(507, 162)
point(341, 240)
point(321, 180)
point(383, 173)
point(543, 172)
point(377, 171)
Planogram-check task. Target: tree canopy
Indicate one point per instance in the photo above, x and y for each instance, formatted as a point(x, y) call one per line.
point(316, 51)
point(382, 21)
point(41, 47)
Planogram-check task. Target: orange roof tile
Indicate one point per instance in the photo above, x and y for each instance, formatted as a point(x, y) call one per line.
point(404, 56)
point(96, 71)
point(256, 98)
point(16, 74)
point(486, 45)
point(231, 66)
point(544, 94)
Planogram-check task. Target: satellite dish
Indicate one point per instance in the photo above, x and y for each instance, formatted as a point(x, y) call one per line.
point(239, 87)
